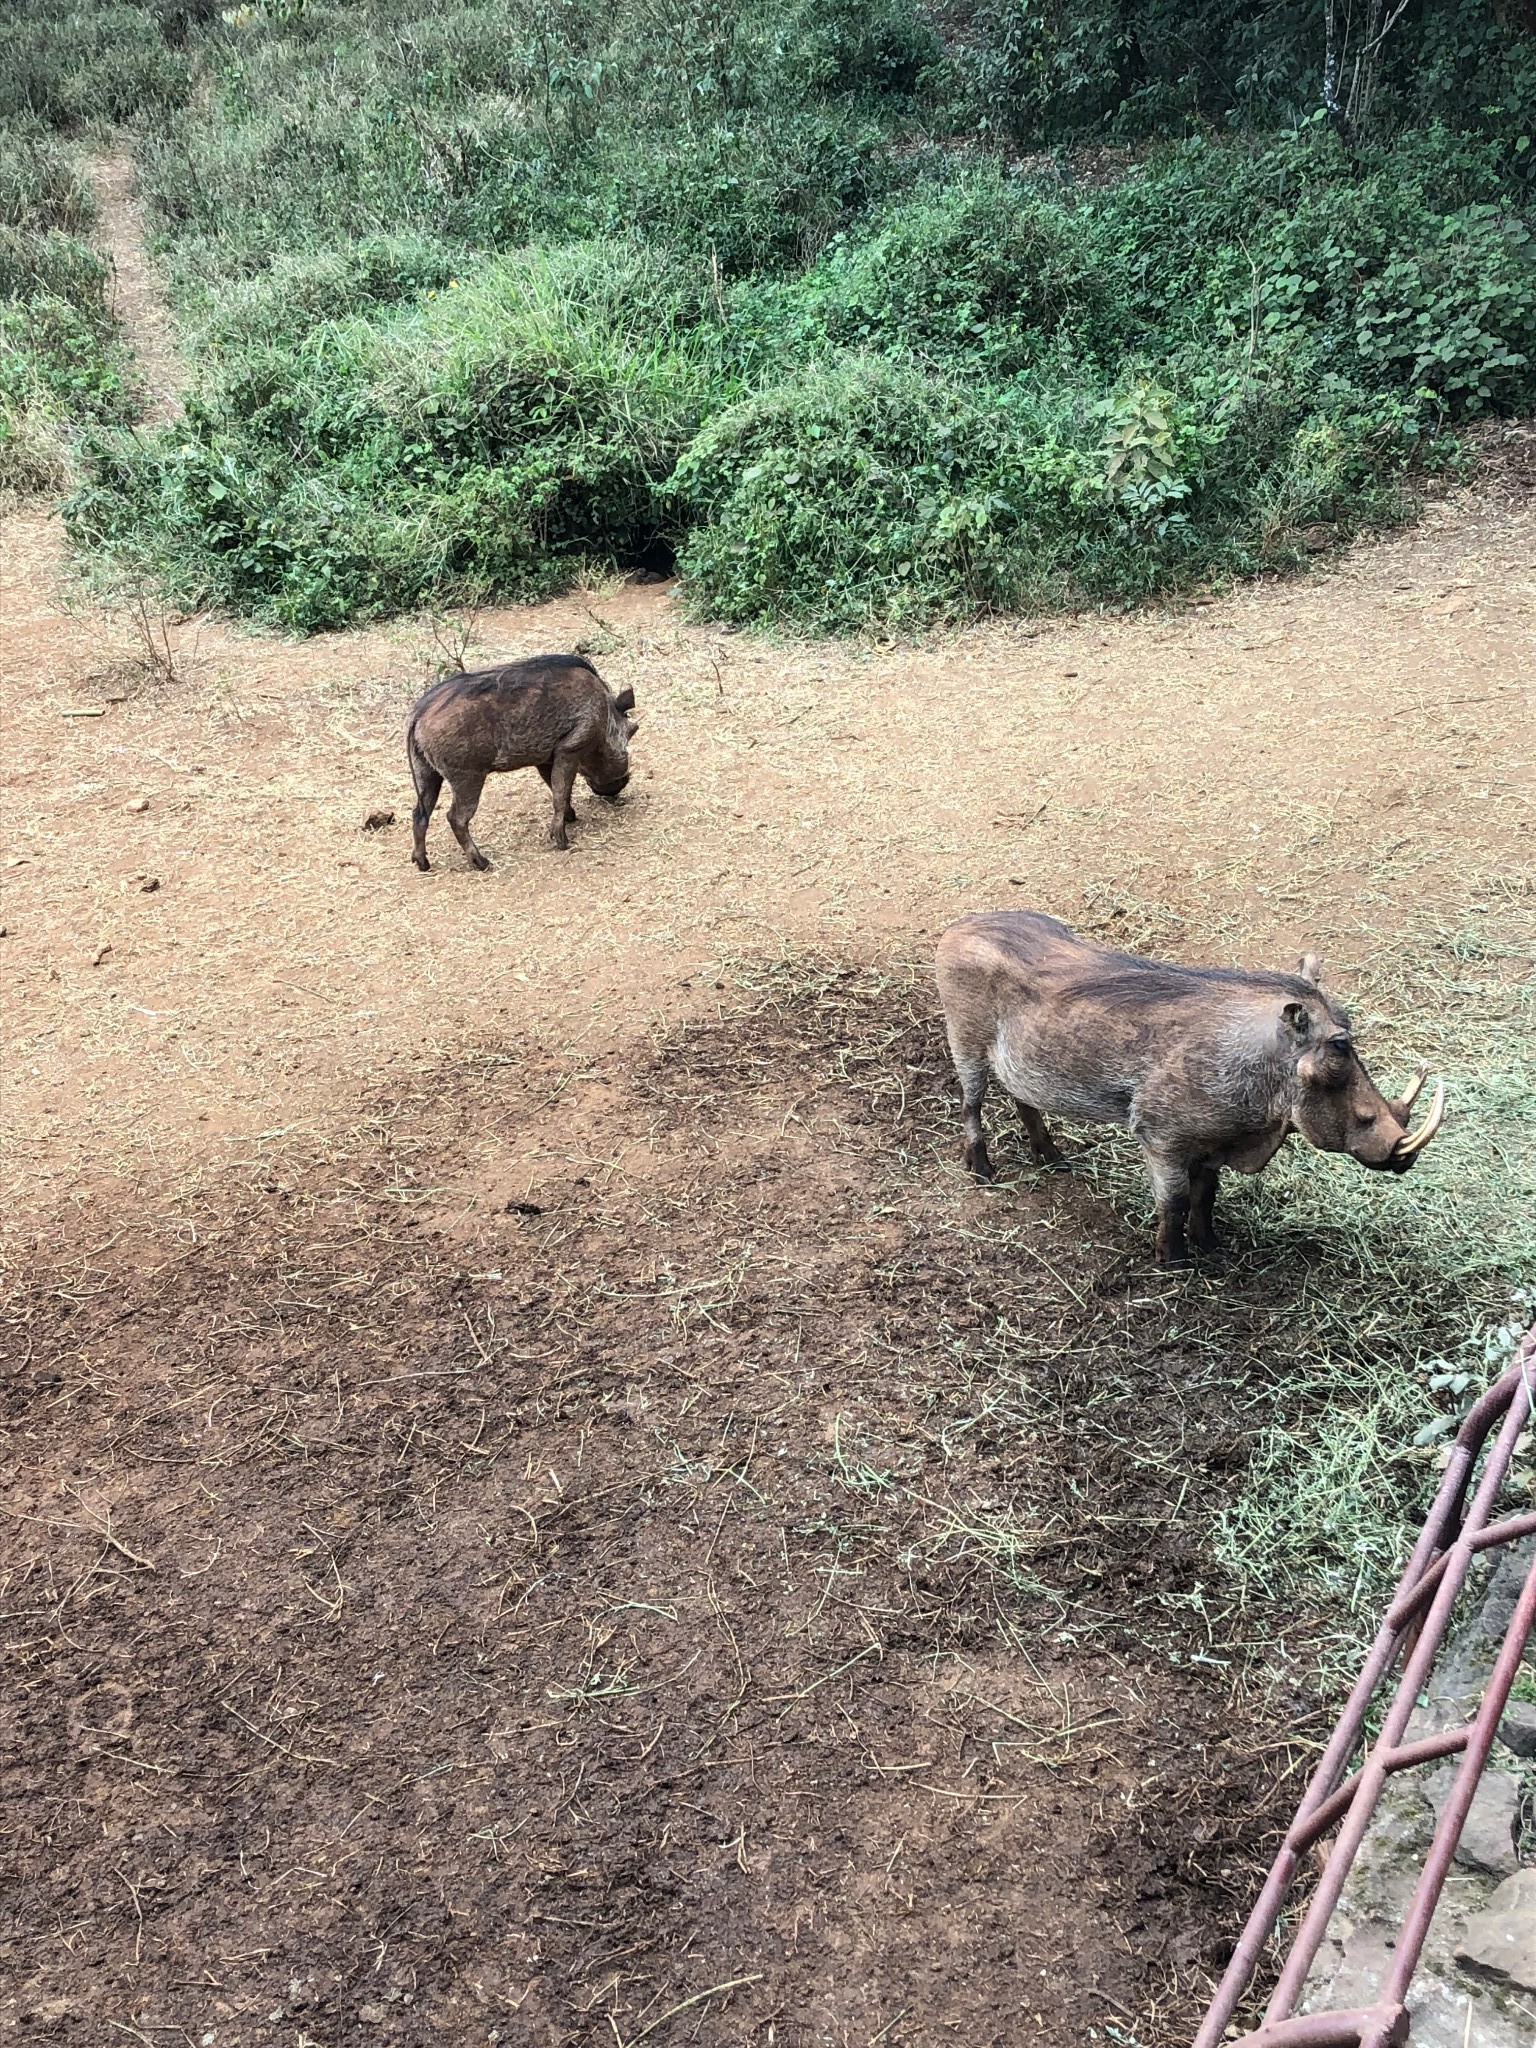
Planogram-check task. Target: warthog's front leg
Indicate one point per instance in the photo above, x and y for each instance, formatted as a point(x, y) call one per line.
point(561, 777)
point(461, 812)
point(1171, 1186)
point(570, 808)
point(1203, 1181)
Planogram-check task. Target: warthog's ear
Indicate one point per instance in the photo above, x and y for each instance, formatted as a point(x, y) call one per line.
point(625, 701)
point(1312, 969)
point(1297, 1019)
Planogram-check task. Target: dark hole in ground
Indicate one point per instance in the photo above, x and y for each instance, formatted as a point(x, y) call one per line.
point(762, 1562)
point(655, 561)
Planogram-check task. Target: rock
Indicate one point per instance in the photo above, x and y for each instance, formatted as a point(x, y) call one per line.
point(1488, 1839)
point(371, 2015)
point(137, 803)
point(1501, 1940)
point(377, 820)
point(150, 884)
point(1517, 1730)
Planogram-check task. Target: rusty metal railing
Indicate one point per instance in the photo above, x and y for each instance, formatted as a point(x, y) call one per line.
point(1413, 1630)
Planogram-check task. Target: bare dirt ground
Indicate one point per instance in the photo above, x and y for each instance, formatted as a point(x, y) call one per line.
point(542, 1507)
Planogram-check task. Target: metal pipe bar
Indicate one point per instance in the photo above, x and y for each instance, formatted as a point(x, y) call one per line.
point(1437, 1864)
point(1454, 1533)
point(1416, 1671)
point(1449, 1742)
point(1501, 1532)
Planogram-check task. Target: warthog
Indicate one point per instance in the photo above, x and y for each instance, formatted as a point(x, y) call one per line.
point(553, 712)
point(1208, 1066)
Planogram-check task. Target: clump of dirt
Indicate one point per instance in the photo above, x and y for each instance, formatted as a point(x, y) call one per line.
point(694, 1570)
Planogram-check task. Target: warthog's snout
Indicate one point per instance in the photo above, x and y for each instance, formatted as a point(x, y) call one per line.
point(610, 792)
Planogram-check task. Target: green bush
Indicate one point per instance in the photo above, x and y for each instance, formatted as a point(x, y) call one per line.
point(754, 193)
point(493, 436)
point(299, 292)
point(60, 362)
point(476, 291)
point(982, 271)
point(874, 491)
point(71, 65)
point(40, 186)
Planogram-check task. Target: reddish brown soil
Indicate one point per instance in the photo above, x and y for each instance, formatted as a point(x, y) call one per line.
point(718, 1555)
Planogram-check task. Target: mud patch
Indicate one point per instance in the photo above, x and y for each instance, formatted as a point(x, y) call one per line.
point(699, 1572)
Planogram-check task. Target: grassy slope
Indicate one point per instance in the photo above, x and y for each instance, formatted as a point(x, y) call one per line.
point(477, 300)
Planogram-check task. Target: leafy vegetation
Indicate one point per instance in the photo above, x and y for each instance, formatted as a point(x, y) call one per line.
point(478, 293)
point(60, 361)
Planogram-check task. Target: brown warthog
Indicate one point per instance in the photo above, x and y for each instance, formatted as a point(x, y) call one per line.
point(1209, 1067)
point(553, 712)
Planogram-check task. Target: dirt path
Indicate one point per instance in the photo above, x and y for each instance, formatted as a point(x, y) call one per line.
point(137, 299)
point(1334, 763)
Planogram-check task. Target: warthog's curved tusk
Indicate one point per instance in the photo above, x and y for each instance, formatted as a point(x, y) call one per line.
point(1410, 1094)
point(1410, 1148)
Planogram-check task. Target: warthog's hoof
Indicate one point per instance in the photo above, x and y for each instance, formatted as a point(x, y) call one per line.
point(559, 842)
point(979, 1163)
point(419, 860)
point(478, 861)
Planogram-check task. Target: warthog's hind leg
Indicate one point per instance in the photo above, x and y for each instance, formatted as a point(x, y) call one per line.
point(974, 1075)
point(1044, 1147)
point(1203, 1181)
point(429, 787)
point(461, 812)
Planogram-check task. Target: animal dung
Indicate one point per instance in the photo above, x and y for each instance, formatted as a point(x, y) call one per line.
point(377, 820)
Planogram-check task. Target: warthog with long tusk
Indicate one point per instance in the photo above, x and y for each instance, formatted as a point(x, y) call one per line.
point(1207, 1066)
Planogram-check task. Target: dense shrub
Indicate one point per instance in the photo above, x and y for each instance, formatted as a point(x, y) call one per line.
point(870, 491)
point(982, 270)
point(478, 290)
point(299, 292)
point(72, 65)
point(492, 436)
point(40, 186)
